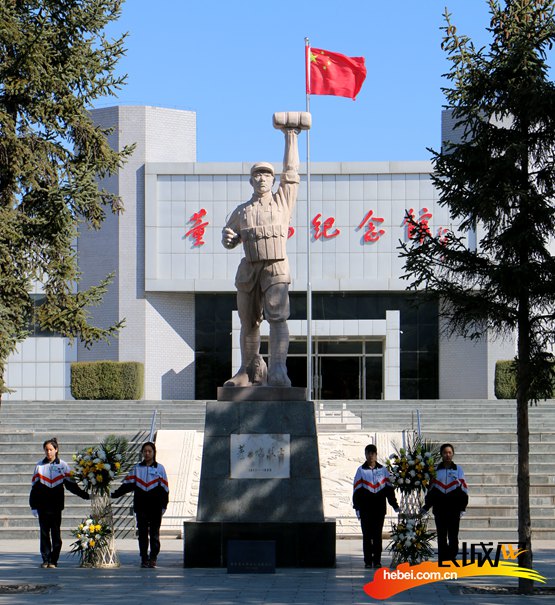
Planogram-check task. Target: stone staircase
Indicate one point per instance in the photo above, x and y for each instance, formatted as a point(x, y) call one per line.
point(25, 425)
point(483, 433)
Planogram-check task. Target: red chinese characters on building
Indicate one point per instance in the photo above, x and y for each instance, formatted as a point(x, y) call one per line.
point(372, 233)
point(196, 233)
point(324, 230)
point(442, 234)
point(417, 227)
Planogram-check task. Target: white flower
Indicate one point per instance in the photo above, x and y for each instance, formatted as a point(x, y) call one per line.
point(101, 454)
point(412, 473)
point(417, 482)
point(117, 457)
point(111, 473)
point(93, 480)
point(107, 467)
point(96, 460)
point(91, 475)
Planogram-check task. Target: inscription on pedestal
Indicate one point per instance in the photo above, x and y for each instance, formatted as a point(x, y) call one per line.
point(259, 456)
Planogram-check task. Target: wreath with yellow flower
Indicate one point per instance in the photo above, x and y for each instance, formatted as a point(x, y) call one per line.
point(412, 468)
point(92, 538)
point(410, 540)
point(97, 466)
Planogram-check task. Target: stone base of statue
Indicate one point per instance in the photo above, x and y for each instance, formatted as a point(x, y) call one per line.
point(260, 480)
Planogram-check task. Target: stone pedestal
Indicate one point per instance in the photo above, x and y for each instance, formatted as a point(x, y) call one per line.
point(260, 479)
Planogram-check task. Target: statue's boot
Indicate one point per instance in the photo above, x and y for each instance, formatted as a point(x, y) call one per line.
point(241, 379)
point(253, 367)
point(258, 371)
point(279, 345)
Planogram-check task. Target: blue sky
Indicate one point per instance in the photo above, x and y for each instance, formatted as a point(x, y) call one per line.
point(235, 63)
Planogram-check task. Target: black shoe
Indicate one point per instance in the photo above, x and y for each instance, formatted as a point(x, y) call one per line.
point(44, 564)
point(152, 563)
point(377, 565)
point(52, 565)
point(368, 566)
point(145, 563)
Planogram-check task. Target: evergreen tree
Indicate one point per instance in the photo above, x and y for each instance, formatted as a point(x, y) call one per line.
point(55, 61)
point(498, 179)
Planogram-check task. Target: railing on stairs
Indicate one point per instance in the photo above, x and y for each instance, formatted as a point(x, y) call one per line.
point(153, 425)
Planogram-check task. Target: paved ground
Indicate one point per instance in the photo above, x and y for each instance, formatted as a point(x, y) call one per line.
point(171, 583)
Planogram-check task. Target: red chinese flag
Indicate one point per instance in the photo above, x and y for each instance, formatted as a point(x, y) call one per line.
point(334, 74)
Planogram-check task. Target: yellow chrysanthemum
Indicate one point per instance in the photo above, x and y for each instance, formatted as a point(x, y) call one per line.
point(99, 478)
point(92, 543)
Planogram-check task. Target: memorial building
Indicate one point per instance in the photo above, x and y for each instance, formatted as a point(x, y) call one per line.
point(174, 281)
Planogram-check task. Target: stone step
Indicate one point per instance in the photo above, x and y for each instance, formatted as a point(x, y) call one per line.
point(506, 479)
point(511, 501)
point(69, 520)
point(475, 510)
point(64, 437)
point(505, 522)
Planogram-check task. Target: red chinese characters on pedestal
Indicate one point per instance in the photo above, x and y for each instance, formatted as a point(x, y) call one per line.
point(417, 227)
point(198, 228)
point(324, 230)
point(372, 233)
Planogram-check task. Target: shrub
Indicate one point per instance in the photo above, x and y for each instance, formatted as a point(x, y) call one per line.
point(505, 379)
point(107, 380)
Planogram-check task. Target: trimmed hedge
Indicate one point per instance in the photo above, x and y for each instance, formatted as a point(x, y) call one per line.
point(505, 379)
point(107, 380)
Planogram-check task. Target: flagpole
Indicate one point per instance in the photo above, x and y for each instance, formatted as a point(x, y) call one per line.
point(308, 282)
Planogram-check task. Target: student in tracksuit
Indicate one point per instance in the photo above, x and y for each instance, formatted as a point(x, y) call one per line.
point(448, 496)
point(371, 488)
point(149, 483)
point(50, 479)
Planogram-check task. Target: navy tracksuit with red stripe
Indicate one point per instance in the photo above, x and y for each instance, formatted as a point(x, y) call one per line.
point(448, 496)
point(149, 485)
point(371, 489)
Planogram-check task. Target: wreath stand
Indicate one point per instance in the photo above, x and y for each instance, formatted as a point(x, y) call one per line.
point(101, 509)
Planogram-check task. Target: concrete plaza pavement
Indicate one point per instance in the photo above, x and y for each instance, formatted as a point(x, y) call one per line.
point(171, 583)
